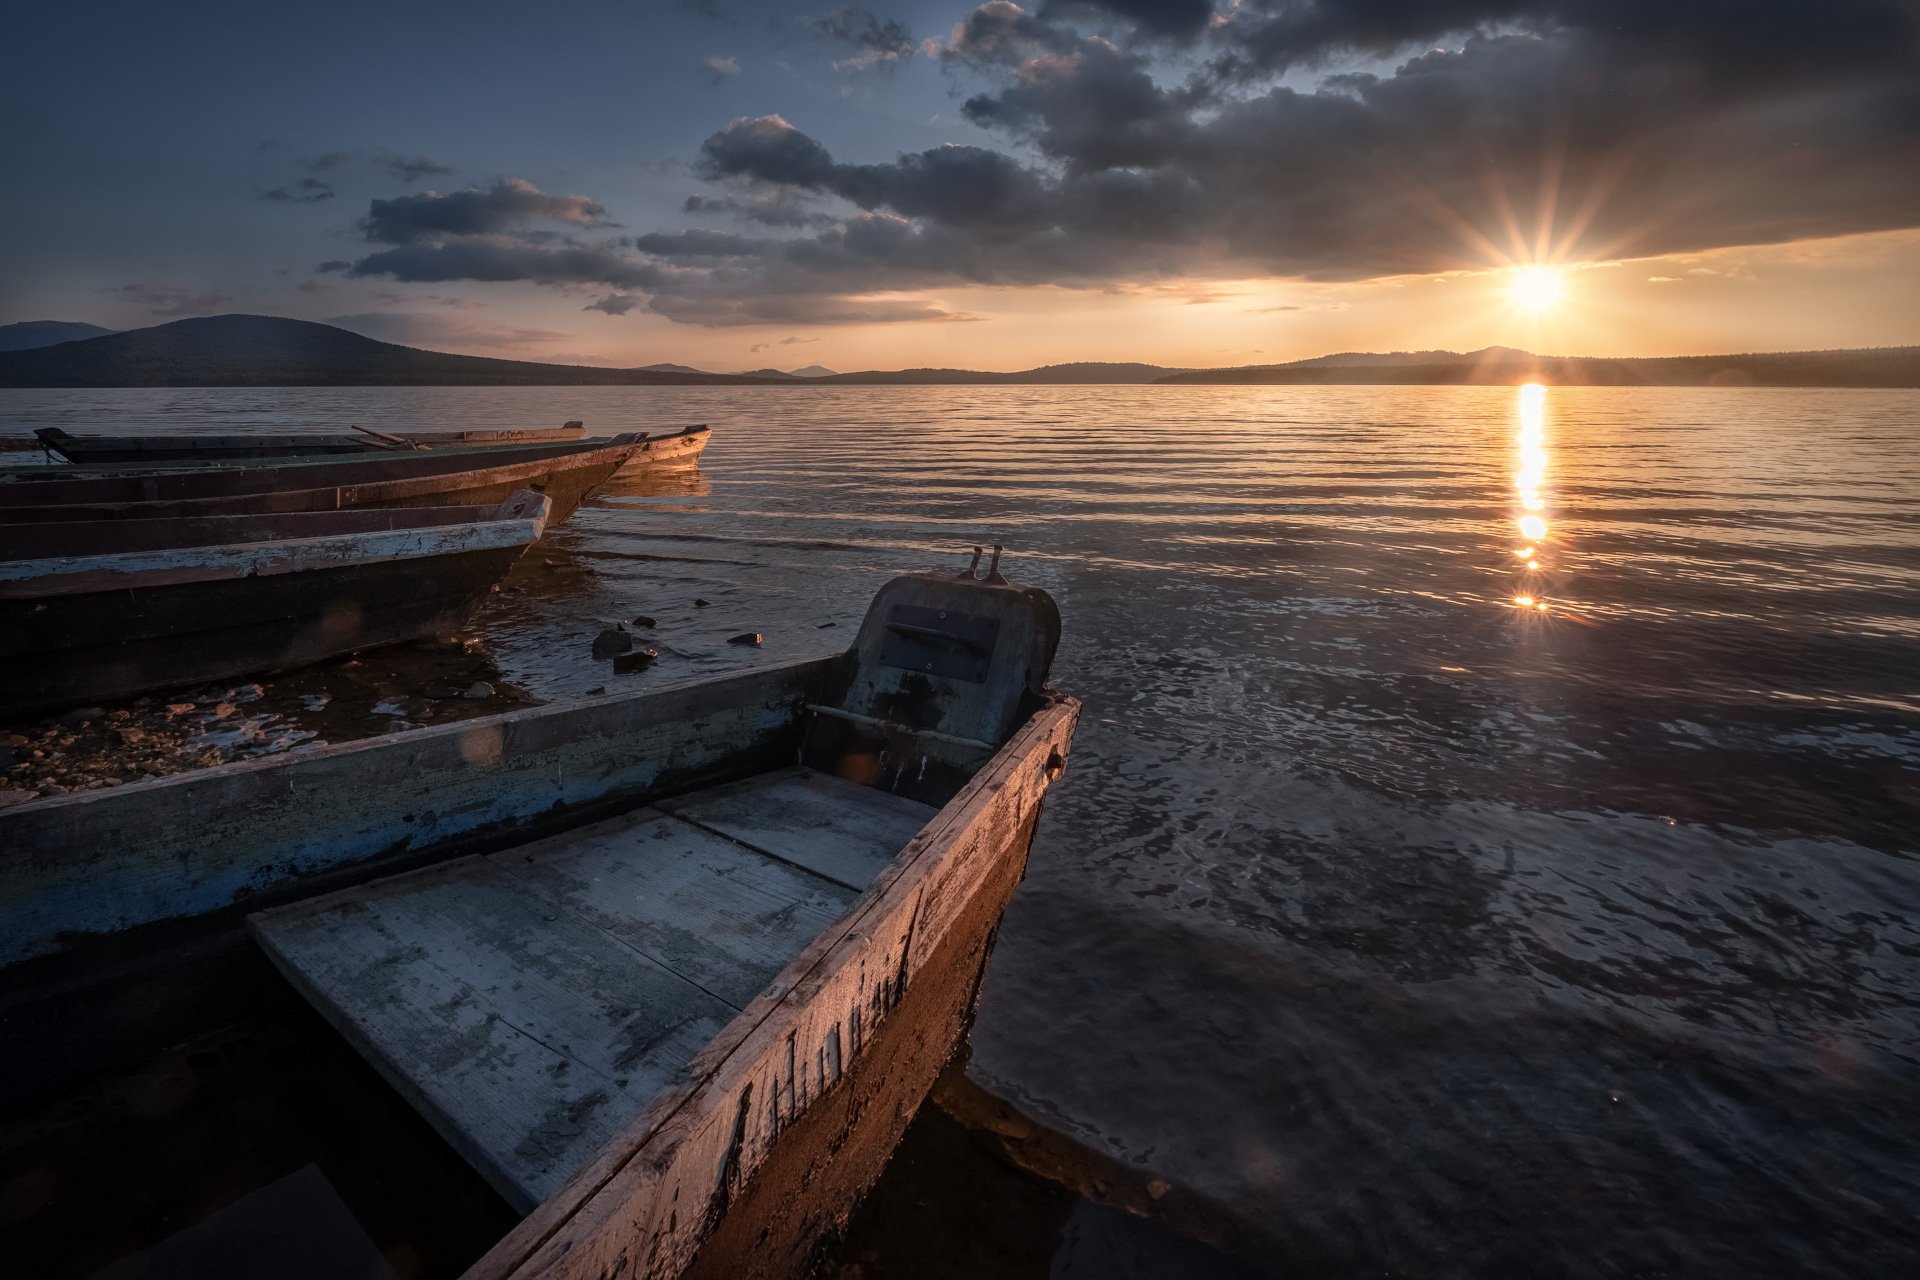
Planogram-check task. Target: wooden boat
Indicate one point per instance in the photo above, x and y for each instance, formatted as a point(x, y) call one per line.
point(98, 447)
point(472, 475)
point(96, 610)
point(672, 969)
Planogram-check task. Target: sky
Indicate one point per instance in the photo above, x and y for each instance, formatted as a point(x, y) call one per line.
point(735, 185)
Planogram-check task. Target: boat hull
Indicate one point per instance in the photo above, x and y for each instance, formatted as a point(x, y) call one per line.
point(92, 448)
point(95, 628)
point(564, 473)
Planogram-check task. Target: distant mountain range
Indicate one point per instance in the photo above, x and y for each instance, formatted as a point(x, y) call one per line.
point(268, 351)
point(29, 334)
point(1504, 366)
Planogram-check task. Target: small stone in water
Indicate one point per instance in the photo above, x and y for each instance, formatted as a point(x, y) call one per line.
point(611, 642)
point(701, 604)
point(642, 620)
point(478, 689)
point(745, 637)
point(638, 660)
point(315, 701)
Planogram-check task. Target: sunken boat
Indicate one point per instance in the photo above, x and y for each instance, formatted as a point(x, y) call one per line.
point(96, 610)
point(672, 969)
point(465, 476)
point(85, 448)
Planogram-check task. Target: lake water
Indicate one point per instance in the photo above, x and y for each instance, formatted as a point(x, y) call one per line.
point(1426, 928)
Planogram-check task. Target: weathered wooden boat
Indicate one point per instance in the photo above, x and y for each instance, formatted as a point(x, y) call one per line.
point(98, 447)
point(102, 609)
point(468, 475)
point(673, 970)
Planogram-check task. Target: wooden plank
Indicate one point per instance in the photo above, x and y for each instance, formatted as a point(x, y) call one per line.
point(652, 1196)
point(526, 1036)
point(98, 862)
point(832, 827)
point(718, 914)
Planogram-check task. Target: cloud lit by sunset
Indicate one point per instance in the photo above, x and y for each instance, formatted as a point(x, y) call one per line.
point(993, 186)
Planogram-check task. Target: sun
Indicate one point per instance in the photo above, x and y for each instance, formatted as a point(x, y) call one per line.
point(1537, 289)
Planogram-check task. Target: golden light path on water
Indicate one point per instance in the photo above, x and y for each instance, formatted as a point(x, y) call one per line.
point(1529, 484)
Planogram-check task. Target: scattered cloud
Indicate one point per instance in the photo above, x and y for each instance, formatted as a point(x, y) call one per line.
point(314, 287)
point(305, 191)
point(717, 70)
point(615, 304)
point(409, 168)
point(784, 342)
point(328, 160)
point(780, 208)
point(510, 204)
point(877, 42)
point(435, 299)
point(168, 300)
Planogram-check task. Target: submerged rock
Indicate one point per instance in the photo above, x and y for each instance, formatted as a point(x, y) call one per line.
point(642, 620)
point(638, 660)
point(478, 689)
point(612, 642)
point(701, 604)
point(745, 637)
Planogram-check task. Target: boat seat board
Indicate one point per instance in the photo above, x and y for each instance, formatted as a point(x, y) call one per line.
point(530, 1002)
point(832, 827)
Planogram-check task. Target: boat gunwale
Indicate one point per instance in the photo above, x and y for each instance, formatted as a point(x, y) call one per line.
point(509, 525)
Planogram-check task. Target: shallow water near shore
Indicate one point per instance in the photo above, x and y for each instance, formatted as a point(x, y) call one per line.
point(1420, 926)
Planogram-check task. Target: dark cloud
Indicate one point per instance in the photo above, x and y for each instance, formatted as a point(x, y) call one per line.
point(877, 41)
point(502, 259)
point(1748, 40)
point(1181, 19)
point(305, 191)
point(615, 304)
point(329, 160)
point(954, 183)
point(167, 300)
point(1001, 33)
point(410, 168)
point(508, 205)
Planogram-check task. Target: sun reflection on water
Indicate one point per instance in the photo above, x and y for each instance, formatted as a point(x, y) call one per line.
point(1529, 483)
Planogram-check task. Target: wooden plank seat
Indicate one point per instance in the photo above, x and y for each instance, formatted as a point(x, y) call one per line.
point(530, 1002)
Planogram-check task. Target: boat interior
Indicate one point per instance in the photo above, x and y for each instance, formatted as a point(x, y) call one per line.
point(530, 1001)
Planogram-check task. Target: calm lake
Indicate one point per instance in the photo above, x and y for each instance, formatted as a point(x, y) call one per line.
point(1436, 912)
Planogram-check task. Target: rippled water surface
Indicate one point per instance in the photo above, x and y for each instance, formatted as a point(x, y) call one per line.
point(1427, 928)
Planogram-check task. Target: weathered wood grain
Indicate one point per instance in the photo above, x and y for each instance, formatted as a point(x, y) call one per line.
point(838, 829)
point(648, 1201)
point(78, 866)
point(721, 915)
point(531, 1001)
point(524, 1034)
